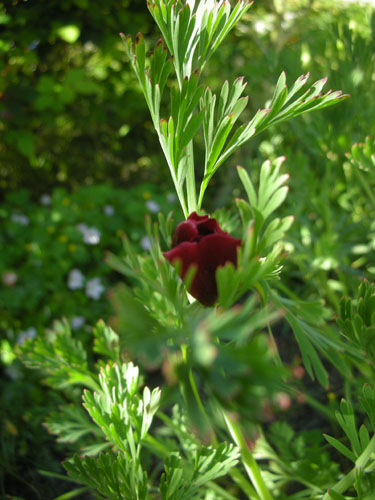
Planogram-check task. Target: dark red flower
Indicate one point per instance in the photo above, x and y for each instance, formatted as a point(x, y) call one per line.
point(199, 241)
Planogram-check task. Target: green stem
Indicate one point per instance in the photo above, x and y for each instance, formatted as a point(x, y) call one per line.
point(179, 192)
point(195, 392)
point(244, 484)
point(258, 286)
point(249, 461)
point(234, 473)
point(201, 193)
point(190, 179)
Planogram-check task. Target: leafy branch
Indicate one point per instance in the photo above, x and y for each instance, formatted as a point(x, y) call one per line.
point(192, 32)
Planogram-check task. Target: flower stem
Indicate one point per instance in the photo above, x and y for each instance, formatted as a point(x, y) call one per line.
point(249, 461)
point(190, 179)
point(235, 474)
point(244, 484)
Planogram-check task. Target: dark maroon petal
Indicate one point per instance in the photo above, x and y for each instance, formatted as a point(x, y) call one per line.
point(186, 253)
point(186, 231)
point(198, 218)
point(209, 226)
point(214, 251)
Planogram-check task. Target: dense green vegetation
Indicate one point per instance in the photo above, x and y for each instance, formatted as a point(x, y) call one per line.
point(80, 166)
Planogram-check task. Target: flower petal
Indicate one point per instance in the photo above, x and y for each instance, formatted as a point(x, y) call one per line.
point(186, 231)
point(186, 253)
point(214, 251)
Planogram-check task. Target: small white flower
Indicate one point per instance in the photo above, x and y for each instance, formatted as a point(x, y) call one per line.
point(30, 333)
point(82, 227)
point(152, 206)
point(91, 235)
point(94, 288)
point(145, 243)
point(109, 210)
point(9, 278)
point(20, 219)
point(45, 199)
point(77, 322)
point(75, 279)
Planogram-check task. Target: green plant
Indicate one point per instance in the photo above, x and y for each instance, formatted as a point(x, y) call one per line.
point(206, 433)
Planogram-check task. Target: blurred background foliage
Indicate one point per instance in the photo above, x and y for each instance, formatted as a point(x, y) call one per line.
point(78, 153)
point(72, 112)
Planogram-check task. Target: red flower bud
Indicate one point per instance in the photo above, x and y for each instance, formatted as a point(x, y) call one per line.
point(199, 241)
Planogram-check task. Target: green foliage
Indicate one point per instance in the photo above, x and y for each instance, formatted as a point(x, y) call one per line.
point(45, 242)
point(221, 343)
point(194, 30)
point(125, 417)
point(254, 262)
point(361, 477)
point(63, 116)
point(111, 475)
point(277, 112)
point(230, 373)
point(296, 458)
point(357, 320)
point(209, 464)
point(62, 358)
point(362, 157)
point(192, 33)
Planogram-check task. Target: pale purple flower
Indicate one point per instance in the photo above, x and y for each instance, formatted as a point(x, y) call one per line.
point(13, 373)
point(9, 278)
point(29, 333)
point(45, 199)
point(152, 206)
point(94, 288)
point(23, 220)
point(91, 235)
point(145, 243)
point(109, 210)
point(171, 197)
point(77, 322)
point(75, 279)
point(82, 227)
